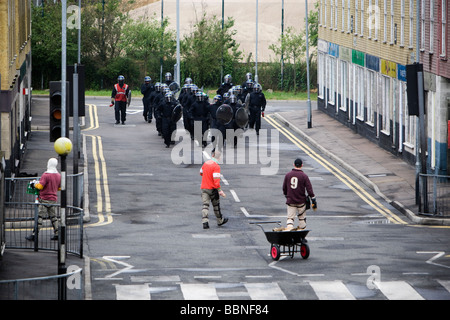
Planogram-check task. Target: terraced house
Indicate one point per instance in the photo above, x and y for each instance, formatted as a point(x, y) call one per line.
point(15, 80)
point(364, 47)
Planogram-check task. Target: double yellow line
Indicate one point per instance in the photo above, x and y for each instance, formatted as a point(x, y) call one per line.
point(336, 172)
point(101, 174)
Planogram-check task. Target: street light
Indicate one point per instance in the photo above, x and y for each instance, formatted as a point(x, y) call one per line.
point(307, 68)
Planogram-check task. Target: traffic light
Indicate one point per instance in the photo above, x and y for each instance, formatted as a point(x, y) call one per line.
point(56, 110)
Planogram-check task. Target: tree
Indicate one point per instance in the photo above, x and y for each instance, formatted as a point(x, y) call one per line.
point(46, 49)
point(102, 29)
point(202, 50)
point(292, 46)
point(147, 41)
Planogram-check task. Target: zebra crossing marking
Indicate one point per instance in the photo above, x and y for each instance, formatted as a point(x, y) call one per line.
point(324, 290)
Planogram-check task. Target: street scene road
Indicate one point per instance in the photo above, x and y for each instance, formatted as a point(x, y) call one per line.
point(145, 238)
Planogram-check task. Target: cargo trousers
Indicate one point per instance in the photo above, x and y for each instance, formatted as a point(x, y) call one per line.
point(211, 196)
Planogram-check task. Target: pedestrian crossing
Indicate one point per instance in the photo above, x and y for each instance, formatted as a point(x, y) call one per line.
point(314, 290)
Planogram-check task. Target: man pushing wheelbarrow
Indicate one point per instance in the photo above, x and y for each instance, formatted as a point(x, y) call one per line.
point(295, 183)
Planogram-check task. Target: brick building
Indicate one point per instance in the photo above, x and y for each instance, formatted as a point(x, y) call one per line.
point(15, 80)
point(364, 47)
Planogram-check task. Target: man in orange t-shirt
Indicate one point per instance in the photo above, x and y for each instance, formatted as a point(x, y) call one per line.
point(211, 190)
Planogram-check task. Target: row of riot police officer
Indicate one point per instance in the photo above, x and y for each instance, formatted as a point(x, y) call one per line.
point(233, 107)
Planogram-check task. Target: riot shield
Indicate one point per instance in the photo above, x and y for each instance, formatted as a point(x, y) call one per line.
point(241, 117)
point(129, 98)
point(174, 87)
point(177, 113)
point(224, 114)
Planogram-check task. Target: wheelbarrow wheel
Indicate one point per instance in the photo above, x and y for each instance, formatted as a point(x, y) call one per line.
point(275, 252)
point(304, 250)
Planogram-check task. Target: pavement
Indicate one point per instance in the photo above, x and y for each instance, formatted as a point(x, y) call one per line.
point(390, 177)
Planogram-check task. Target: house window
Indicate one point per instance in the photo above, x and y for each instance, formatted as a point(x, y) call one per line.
point(411, 22)
point(371, 96)
point(431, 26)
point(443, 28)
point(321, 74)
point(385, 22)
point(409, 121)
point(402, 25)
point(360, 92)
point(386, 108)
point(344, 85)
point(392, 22)
point(422, 25)
point(362, 18)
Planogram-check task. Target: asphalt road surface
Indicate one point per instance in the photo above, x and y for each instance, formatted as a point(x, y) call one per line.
point(145, 238)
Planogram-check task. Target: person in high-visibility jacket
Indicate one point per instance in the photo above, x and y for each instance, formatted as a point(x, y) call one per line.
point(211, 190)
point(119, 98)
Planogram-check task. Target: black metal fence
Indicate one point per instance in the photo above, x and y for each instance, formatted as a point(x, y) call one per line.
point(434, 195)
point(21, 213)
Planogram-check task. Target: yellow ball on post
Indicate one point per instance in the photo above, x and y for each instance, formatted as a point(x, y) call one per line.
point(63, 146)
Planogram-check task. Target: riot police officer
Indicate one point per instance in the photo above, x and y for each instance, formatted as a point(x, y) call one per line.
point(257, 104)
point(200, 113)
point(147, 89)
point(226, 85)
point(158, 99)
point(168, 125)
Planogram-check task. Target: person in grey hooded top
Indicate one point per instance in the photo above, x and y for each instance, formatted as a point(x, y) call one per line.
point(48, 185)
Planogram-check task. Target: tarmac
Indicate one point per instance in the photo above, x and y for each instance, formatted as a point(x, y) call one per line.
point(390, 177)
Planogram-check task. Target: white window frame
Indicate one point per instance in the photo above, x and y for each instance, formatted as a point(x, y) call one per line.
point(349, 17)
point(422, 26)
point(336, 15)
point(385, 21)
point(392, 23)
point(432, 29)
point(402, 24)
point(443, 49)
point(360, 96)
point(344, 85)
point(372, 87)
point(362, 19)
point(411, 23)
point(386, 106)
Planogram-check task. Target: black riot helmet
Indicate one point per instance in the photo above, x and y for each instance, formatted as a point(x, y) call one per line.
point(199, 95)
point(257, 87)
point(233, 98)
point(227, 78)
point(168, 96)
point(168, 76)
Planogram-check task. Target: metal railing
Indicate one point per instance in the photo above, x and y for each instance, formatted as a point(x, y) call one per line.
point(21, 214)
point(44, 288)
point(434, 195)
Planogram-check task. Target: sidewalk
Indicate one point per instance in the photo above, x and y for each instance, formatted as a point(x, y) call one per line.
point(26, 263)
point(390, 177)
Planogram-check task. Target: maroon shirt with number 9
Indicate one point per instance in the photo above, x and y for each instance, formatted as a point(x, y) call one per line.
point(294, 185)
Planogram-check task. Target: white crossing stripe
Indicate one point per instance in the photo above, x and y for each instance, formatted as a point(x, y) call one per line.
point(199, 291)
point(331, 290)
point(445, 284)
point(265, 291)
point(398, 290)
point(132, 292)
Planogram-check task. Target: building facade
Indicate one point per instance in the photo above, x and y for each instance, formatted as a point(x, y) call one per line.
point(15, 81)
point(364, 47)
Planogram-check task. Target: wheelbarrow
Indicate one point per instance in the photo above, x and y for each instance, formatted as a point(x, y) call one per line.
point(285, 242)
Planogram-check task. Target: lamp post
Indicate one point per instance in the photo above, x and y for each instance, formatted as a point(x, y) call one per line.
point(62, 146)
point(308, 101)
